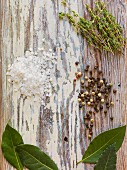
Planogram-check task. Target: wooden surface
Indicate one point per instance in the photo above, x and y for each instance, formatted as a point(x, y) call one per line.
point(23, 24)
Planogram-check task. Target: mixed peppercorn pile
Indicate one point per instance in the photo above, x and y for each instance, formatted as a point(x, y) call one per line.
point(94, 94)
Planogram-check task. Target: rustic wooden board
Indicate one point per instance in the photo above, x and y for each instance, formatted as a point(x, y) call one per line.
point(23, 24)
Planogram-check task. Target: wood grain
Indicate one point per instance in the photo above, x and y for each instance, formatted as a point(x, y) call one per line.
point(23, 25)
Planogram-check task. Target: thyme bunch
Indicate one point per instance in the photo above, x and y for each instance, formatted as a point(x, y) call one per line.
point(101, 29)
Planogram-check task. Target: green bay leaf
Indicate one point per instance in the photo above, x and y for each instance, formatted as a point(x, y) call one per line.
point(101, 142)
point(34, 159)
point(10, 139)
point(107, 160)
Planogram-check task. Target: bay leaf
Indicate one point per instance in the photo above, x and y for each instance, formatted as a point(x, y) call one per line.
point(107, 160)
point(34, 159)
point(10, 139)
point(101, 142)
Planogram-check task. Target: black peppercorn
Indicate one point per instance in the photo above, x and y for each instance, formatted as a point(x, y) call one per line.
point(81, 91)
point(105, 111)
point(80, 106)
point(107, 103)
point(88, 115)
point(86, 124)
point(91, 124)
point(99, 86)
point(90, 72)
point(106, 95)
point(101, 107)
point(90, 112)
point(82, 86)
point(107, 106)
point(104, 79)
point(96, 109)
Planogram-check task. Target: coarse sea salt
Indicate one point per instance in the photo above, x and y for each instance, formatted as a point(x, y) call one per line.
point(33, 73)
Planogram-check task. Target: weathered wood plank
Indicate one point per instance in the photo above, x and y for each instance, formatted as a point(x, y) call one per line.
point(23, 25)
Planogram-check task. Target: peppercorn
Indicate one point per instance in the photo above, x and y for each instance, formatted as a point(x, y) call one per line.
point(86, 124)
point(88, 103)
point(90, 112)
point(88, 115)
point(82, 95)
point(106, 95)
point(79, 100)
point(86, 93)
point(105, 111)
point(102, 100)
point(110, 84)
point(89, 136)
point(104, 80)
point(86, 78)
point(76, 63)
point(83, 104)
point(89, 81)
point(81, 91)
point(96, 109)
point(99, 86)
point(79, 74)
point(91, 124)
point(92, 120)
point(93, 93)
point(90, 72)
point(107, 103)
point(112, 103)
point(80, 106)
point(91, 100)
point(99, 94)
point(82, 86)
point(101, 107)
point(82, 81)
point(107, 106)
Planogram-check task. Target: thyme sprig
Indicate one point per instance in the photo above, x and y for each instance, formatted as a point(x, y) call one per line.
point(101, 29)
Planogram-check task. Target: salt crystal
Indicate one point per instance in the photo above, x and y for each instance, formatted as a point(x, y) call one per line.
point(32, 73)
